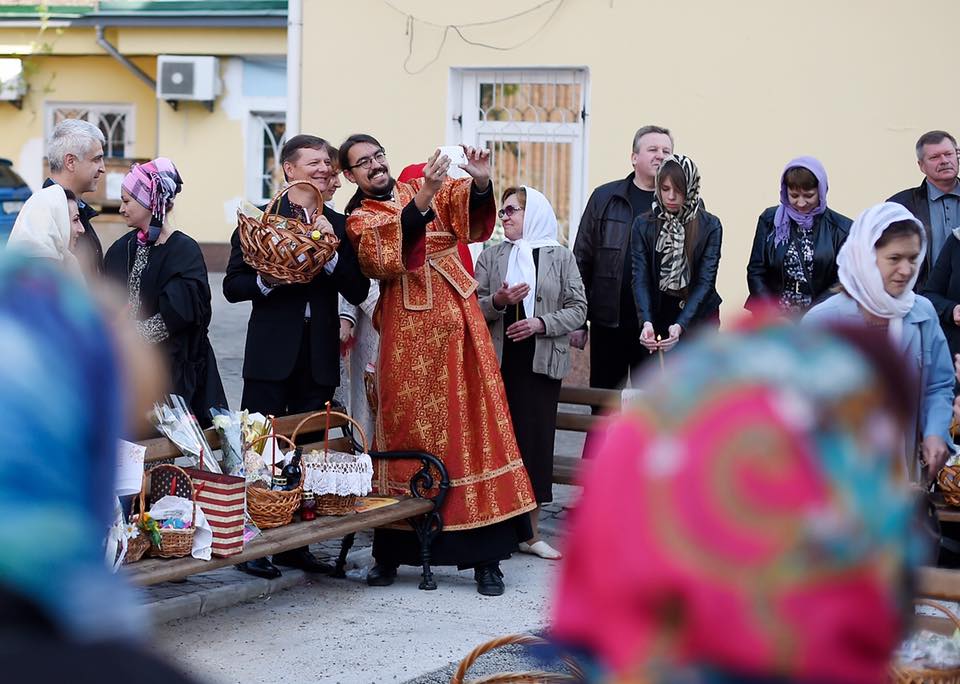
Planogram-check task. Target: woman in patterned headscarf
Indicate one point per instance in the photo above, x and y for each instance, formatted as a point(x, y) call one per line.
point(794, 258)
point(769, 534)
point(676, 252)
point(166, 277)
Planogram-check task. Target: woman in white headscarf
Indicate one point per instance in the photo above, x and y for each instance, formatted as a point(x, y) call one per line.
point(48, 226)
point(878, 267)
point(530, 292)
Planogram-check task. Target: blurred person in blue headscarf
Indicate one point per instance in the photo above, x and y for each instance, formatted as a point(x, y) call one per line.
point(62, 407)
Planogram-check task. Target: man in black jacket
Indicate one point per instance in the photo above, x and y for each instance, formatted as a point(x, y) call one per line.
point(936, 201)
point(75, 156)
point(602, 249)
point(292, 358)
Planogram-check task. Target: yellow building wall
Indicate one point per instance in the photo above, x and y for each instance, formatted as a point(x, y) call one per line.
point(745, 86)
point(209, 148)
point(209, 152)
point(67, 79)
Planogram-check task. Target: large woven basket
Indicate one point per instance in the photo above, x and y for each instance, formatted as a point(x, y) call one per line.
point(266, 507)
point(334, 504)
point(173, 543)
point(285, 248)
point(530, 677)
point(908, 675)
point(138, 546)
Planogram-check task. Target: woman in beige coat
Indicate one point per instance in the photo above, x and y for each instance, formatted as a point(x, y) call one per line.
point(531, 293)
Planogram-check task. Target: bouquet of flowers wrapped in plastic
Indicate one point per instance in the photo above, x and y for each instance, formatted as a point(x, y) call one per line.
point(175, 422)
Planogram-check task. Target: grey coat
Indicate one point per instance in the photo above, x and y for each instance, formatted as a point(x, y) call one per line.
point(561, 303)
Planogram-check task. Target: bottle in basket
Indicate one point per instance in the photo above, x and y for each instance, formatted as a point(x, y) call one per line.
point(308, 509)
point(292, 472)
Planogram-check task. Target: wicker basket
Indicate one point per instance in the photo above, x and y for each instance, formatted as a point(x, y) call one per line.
point(531, 677)
point(907, 675)
point(285, 248)
point(334, 504)
point(266, 507)
point(176, 543)
point(949, 481)
point(138, 546)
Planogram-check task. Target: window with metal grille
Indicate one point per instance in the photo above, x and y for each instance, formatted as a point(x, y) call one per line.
point(116, 121)
point(268, 138)
point(534, 123)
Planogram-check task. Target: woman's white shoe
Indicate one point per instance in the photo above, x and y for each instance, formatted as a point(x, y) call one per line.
point(542, 549)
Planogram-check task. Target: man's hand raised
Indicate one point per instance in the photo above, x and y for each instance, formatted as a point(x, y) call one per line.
point(434, 173)
point(478, 166)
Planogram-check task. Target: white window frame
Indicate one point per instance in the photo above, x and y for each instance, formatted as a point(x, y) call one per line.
point(464, 125)
point(127, 109)
point(254, 149)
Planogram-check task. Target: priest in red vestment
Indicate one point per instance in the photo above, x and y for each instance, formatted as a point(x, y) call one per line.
point(438, 381)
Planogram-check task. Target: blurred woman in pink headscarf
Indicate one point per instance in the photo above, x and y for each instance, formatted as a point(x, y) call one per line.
point(747, 521)
point(166, 278)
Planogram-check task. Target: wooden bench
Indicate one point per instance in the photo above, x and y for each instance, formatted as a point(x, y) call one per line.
point(565, 468)
point(421, 511)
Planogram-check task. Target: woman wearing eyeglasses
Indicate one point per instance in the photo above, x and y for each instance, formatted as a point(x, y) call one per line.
point(531, 293)
point(676, 252)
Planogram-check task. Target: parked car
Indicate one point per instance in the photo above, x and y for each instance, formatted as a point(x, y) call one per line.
point(13, 193)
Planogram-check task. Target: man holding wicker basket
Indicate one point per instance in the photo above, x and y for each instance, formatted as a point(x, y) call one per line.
point(292, 356)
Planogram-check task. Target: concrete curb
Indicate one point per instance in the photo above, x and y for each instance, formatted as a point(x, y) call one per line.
point(204, 601)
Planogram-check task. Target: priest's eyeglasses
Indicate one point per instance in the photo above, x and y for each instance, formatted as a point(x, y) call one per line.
point(508, 211)
point(367, 162)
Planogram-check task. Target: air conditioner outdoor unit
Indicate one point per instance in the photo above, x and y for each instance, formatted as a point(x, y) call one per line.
point(186, 77)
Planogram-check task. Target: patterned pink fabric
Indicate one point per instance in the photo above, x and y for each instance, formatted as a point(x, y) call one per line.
point(735, 523)
point(153, 185)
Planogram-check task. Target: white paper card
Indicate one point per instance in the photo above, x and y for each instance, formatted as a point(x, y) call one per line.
point(129, 467)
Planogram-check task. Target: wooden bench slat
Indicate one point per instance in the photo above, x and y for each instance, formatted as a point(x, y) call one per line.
point(939, 583)
point(575, 422)
point(589, 396)
point(160, 448)
point(565, 469)
point(155, 570)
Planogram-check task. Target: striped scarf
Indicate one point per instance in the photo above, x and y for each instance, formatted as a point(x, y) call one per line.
point(674, 270)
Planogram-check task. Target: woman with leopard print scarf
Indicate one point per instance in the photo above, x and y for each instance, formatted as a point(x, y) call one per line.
point(676, 252)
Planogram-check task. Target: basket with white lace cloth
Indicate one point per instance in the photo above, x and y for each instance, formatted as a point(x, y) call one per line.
point(337, 478)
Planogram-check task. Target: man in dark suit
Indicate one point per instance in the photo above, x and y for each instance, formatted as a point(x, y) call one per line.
point(75, 156)
point(936, 201)
point(291, 361)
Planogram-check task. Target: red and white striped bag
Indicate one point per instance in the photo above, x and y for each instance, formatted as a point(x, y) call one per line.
point(223, 500)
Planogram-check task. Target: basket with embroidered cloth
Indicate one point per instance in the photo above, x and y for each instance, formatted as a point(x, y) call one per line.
point(337, 478)
point(285, 248)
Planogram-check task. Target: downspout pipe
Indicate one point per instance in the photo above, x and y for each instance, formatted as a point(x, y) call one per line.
point(126, 63)
point(294, 66)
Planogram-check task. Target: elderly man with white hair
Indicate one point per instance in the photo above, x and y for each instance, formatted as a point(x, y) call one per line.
point(75, 155)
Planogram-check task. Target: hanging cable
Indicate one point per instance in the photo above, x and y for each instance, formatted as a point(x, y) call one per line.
point(412, 20)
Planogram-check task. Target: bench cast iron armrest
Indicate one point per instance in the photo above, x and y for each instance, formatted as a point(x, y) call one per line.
point(428, 525)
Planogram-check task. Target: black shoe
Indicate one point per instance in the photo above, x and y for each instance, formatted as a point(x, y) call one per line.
point(302, 560)
point(381, 576)
point(261, 567)
point(489, 579)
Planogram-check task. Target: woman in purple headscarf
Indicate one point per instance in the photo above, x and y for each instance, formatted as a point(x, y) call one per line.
point(794, 257)
point(166, 277)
